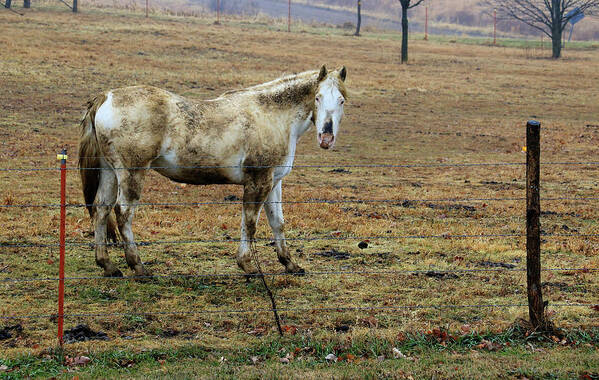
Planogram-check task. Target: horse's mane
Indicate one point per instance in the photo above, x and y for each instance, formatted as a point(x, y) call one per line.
point(287, 86)
point(286, 78)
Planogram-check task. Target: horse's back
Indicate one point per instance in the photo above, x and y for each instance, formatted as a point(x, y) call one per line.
point(146, 126)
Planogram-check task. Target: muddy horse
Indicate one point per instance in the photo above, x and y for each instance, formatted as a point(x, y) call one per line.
point(246, 137)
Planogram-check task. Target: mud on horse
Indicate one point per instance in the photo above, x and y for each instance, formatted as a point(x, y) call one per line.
point(246, 137)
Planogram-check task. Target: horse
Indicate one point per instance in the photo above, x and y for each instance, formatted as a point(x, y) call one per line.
point(246, 137)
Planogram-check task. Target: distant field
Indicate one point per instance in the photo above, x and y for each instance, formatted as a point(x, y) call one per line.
point(458, 101)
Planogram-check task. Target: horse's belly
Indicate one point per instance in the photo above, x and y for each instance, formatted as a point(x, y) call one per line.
point(198, 176)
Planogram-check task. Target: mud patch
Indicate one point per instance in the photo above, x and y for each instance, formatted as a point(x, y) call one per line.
point(492, 264)
point(440, 275)
point(232, 198)
point(563, 287)
point(8, 331)
point(82, 333)
point(437, 206)
point(553, 213)
point(502, 185)
point(333, 254)
point(340, 170)
point(172, 333)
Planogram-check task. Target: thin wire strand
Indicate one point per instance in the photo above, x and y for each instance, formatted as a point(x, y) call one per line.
point(309, 166)
point(310, 201)
point(286, 274)
point(320, 238)
point(292, 310)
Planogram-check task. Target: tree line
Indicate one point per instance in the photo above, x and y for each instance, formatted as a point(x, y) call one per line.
point(548, 16)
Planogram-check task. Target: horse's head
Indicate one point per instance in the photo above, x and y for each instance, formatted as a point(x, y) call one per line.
point(328, 105)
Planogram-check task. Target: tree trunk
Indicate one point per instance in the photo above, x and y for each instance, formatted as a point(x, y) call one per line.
point(556, 37)
point(26, 3)
point(359, 18)
point(75, 6)
point(7, 4)
point(556, 28)
point(404, 34)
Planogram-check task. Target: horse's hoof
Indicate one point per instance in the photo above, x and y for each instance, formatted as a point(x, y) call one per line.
point(141, 271)
point(146, 277)
point(298, 271)
point(250, 276)
point(114, 273)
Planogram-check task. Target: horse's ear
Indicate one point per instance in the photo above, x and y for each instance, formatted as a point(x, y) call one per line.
point(322, 74)
point(342, 73)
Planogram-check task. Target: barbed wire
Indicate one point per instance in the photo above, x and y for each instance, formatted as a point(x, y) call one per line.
point(426, 165)
point(319, 238)
point(293, 310)
point(309, 201)
point(431, 271)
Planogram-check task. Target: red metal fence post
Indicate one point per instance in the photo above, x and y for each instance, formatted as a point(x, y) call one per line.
point(63, 213)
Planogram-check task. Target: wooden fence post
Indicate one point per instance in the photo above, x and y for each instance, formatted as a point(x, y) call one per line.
point(74, 6)
point(533, 227)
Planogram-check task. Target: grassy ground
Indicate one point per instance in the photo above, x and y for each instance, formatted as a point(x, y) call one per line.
point(454, 103)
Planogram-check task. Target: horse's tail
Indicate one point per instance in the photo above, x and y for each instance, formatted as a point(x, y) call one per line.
point(89, 162)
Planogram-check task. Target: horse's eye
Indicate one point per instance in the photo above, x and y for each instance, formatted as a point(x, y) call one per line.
point(318, 99)
point(341, 101)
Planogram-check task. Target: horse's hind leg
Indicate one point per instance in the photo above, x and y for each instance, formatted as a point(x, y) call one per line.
point(130, 186)
point(105, 199)
point(254, 194)
point(274, 213)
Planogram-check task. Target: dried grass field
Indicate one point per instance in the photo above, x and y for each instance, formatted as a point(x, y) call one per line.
point(453, 103)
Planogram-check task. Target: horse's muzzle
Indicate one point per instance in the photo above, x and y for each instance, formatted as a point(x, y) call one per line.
point(326, 140)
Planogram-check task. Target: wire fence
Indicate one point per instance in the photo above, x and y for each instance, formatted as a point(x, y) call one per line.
point(331, 237)
point(330, 166)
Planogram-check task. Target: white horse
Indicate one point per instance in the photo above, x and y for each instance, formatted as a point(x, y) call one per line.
point(246, 137)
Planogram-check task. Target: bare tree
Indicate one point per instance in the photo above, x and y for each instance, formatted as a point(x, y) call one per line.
point(405, 5)
point(359, 18)
point(548, 16)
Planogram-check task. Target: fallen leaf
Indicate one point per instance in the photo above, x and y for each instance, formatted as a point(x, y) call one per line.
point(284, 360)
point(290, 329)
point(77, 361)
point(3, 368)
point(254, 359)
point(489, 346)
point(331, 358)
point(257, 331)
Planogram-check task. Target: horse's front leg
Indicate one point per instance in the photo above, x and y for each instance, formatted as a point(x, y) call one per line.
point(254, 195)
point(274, 213)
